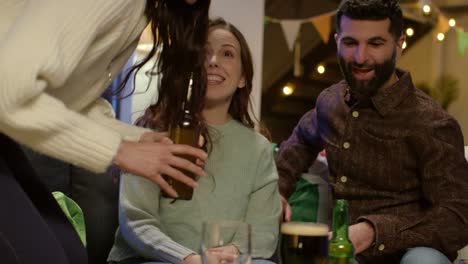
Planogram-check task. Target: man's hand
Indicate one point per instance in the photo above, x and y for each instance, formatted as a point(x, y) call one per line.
point(152, 160)
point(362, 235)
point(287, 211)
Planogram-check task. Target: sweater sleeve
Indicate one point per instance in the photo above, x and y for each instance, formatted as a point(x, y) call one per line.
point(264, 208)
point(140, 223)
point(39, 50)
point(104, 114)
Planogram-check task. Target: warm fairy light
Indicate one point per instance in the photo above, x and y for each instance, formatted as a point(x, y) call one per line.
point(321, 69)
point(427, 9)
point(288, 90)
point(452, 22)
point(404, 45)
point(409, 32)
point(440, 36)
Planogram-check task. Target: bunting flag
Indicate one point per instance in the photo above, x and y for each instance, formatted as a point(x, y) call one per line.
point(322, 24)
point(462, 41)
point(442, 25)
point(290, 30)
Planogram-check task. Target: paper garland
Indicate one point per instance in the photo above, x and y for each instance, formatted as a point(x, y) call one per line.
point(291, 27)
point(290, 30)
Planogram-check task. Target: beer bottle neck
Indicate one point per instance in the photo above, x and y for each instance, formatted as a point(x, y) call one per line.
point(186, 114)
point(340, 221)
point(184, 118)
point(188, 97)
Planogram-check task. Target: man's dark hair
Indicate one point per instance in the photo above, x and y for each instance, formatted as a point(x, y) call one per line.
point(372, 10)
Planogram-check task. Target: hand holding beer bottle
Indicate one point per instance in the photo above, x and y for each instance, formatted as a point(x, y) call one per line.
point(340, 248)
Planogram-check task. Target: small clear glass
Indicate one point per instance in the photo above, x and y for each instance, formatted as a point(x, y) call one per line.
point(227, 242)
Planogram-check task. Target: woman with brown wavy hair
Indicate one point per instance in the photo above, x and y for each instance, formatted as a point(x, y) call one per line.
point(241, 183)
point(57, 57)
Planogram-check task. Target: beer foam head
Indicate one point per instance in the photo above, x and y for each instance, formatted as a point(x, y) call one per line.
point(304, 229)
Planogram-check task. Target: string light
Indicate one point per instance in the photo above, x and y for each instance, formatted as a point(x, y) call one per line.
point(427, 9)
point(288, 90)
point(404, 45)
point(440, 36)
point(321, 69)
point(452, 22)
point(409, 32)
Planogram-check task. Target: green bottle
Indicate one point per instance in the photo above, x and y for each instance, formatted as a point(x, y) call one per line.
point(340, 248)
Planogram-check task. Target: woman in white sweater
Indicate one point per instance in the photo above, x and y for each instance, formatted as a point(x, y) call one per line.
point(56, 59)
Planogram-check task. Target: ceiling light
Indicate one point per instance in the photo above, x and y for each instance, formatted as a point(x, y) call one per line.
point(321, 69)
point(409, 32)
point(288, 90)
point(440, 36)
point(427, 9)
point(452, 22)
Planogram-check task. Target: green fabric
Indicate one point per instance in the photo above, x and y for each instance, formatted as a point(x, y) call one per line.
point(274, 148)
point(73, 213)
point(304, 201)
point(462, 41)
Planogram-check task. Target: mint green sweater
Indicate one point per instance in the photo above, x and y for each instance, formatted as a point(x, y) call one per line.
point(241, 184)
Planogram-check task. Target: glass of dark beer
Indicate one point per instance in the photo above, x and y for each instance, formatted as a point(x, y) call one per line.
point(304, 243)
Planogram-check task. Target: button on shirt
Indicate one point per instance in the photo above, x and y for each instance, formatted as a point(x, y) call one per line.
point(346, 145)
point(381, 247)
point(403, 157)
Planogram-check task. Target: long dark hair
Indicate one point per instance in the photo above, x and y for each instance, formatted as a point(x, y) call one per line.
point(154, 116)
point(181, 30)
point(240, 104)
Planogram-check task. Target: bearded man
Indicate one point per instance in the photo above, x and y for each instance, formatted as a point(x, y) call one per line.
point(393, 153)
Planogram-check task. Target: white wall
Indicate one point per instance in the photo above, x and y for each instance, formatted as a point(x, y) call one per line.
point(457, 66)
point(428, 59)
point(143, 95)
point(247, 16)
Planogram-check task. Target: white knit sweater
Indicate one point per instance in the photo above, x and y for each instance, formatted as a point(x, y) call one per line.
point(56, 59)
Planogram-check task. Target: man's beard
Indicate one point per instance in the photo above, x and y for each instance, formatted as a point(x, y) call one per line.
point(382, 73)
